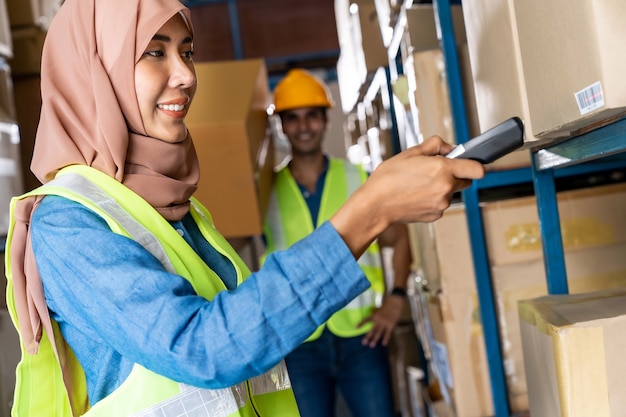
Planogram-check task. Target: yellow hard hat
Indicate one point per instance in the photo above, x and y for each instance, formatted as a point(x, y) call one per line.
point(300, 88)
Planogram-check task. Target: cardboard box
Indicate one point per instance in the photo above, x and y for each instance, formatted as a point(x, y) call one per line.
point(27, 93)
point(495, 59)
point(421, 29)
point(6, 44)
point(594, 247)
point(567, 103)
point(589, 217)
point(458, 353)
point(458, 333)
point(429, 82)
point(32, 12)
point(523, 54)
point(228, 123)
point(574, 353)
point(28, 46)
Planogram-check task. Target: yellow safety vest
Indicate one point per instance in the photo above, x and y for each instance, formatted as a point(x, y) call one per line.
point(40, 390)
point(288, 220)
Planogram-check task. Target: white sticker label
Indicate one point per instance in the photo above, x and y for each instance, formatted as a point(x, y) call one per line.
point(590, 98)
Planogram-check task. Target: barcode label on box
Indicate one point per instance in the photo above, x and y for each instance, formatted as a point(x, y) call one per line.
point(590, 98)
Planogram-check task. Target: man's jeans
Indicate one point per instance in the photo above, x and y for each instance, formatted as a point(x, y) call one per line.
point(361, 374)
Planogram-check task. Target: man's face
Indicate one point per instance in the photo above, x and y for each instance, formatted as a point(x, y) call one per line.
point(305, 128)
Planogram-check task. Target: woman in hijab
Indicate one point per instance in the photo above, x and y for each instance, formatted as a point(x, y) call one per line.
point(126, 298)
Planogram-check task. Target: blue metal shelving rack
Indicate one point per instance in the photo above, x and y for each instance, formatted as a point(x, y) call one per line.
point(583, 154)
point(482, 271)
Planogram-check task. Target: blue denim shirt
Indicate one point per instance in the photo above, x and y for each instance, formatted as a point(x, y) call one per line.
point(116, 305)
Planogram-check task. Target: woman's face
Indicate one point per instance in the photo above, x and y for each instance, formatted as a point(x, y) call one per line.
point(165, 81)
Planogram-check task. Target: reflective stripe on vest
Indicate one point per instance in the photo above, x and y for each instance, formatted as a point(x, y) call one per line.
point(288, 220)
point(145, 392)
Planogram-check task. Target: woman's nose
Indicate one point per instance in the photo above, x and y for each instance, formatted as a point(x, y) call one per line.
point(183, 74)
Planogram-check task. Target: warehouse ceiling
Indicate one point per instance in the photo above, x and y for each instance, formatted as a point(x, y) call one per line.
point(285, 33)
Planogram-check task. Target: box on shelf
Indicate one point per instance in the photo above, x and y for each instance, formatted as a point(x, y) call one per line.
point(32, 12)
point(28, 46)
point(6, 44)
point(421, 29)
point(27, 94)
point(574, 353)
point(460, 335)
point(594, 246)
point(583, 35)
point(589, 217)
point(229, 126)
point(429, 82)
point(519, 51)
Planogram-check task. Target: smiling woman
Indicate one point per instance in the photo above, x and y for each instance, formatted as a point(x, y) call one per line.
point(165, 81)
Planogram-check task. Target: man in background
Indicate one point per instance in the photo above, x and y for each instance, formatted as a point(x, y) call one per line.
point(348, 353)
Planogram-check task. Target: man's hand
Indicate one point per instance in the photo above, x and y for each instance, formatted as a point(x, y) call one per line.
point(385, 320)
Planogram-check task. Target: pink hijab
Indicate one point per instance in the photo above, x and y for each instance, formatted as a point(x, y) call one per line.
point(90, 116)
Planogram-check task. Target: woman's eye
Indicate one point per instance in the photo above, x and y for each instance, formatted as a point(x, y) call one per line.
point(188, 55)
point(155, 54)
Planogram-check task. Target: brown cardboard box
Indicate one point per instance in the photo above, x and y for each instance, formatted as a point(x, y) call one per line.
point(594, 247)
point(28, 45)
point(574, 353)
point(6, 45)
point(27, 93)
point(32, 12)
point(458, 353)
point(426, 66)
point(458, 344)
point(496, 64)
point(422, 30)
point(228, 123)
point(523, 55)
point(589, 217)
point(563, 101)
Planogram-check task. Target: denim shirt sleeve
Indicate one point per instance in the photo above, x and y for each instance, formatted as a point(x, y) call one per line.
point(116, 305)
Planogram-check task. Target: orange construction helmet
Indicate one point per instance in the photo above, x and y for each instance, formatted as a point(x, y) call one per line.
point(300, 88)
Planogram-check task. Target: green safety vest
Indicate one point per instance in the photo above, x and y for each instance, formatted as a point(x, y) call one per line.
point(288, 220)
point(40, 390)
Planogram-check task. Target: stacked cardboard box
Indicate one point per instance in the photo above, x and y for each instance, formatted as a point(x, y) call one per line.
point(427, 73)
point(551, 63)
point(574, 353)
point(594, 242)
point(229, 125)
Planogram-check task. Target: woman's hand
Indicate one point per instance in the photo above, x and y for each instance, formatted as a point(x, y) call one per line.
point(415, 185)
